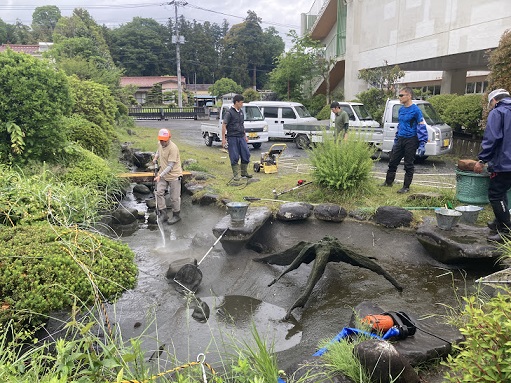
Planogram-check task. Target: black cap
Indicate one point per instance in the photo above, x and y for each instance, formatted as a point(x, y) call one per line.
point(334, 104)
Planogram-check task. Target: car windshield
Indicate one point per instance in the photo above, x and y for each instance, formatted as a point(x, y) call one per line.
point(430, 114)
point(302, 111)
point(252, 113)
point(362, 112)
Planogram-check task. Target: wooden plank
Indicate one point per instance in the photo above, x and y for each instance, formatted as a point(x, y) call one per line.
point(144, 176)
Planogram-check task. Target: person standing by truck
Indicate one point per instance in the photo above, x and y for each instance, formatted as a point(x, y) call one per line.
point(496, 151)
point(411, 138)
point(235, 139)
point(169, 175)
point(342, 120)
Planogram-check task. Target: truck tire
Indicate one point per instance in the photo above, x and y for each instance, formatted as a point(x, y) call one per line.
point(256, 145)
point(208, 140)
point(302, 141)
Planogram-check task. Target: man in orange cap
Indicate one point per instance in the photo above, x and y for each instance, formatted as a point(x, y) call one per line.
point(169, 175)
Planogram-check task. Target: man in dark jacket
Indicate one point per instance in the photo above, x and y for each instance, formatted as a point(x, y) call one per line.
point(496, 152)
point(234, 138)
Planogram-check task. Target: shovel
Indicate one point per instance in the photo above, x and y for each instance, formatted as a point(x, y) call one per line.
point(189, 276)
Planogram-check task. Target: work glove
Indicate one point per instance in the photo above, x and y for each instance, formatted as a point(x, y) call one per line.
point(422, 150)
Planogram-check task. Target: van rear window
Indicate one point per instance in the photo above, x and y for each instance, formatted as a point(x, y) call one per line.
point(271, 112)
point(288, 113)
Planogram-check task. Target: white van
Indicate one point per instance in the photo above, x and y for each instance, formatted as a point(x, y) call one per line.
point(278, 113)
point(361, 122)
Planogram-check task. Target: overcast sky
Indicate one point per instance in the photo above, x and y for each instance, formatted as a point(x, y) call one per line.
point(284, 15)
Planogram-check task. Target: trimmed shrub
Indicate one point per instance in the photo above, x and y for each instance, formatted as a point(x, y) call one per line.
point(342, 164)
point(441, 102)
point(34, 97)
point(464, 113)
point(88, 135)
point(324, 113)
point(44, 268)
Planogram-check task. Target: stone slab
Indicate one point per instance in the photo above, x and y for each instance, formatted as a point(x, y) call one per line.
point(461, 245)
point(238, 234)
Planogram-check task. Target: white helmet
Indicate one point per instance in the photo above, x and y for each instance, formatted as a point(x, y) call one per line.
point(495, 93)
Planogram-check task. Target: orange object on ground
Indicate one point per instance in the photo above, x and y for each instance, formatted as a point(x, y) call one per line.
point(379, 322)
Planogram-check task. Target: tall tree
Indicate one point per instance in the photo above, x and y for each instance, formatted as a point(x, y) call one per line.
point(80, 49)
point(142, 48)
point(293, 71)
point(44, 21)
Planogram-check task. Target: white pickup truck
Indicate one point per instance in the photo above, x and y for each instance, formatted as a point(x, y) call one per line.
point(439, 133)
point(256, 127)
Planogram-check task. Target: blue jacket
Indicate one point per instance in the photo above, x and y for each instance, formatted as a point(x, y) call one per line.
point(409, 119)
point(496, 145)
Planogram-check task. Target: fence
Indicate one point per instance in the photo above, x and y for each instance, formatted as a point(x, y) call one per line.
point(167, 113)
point(466, 147)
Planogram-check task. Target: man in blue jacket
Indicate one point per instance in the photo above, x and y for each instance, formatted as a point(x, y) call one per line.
point(411, 138)
point(496, 152)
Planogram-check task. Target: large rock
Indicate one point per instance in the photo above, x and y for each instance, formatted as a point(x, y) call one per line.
point(432, 340)
point(330, 212)
point(238, 234)
point(294, 211)
point(393, 216)
point(142, 159)
point(463, 244)
point(124, 216)
point(384, 363)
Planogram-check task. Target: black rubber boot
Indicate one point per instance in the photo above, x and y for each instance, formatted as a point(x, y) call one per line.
point(175, 218)
point(235, 172)
point(244, 171)
point(389, 179)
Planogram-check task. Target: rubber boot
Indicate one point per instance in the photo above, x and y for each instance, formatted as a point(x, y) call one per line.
point(406, 184)
point(503, 223)
point(175, 218)
point(235, 172)
point(244, 171)
point(389, 179)
point(162, 215)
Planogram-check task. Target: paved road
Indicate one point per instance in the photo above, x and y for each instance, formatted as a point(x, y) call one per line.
point(188, 131)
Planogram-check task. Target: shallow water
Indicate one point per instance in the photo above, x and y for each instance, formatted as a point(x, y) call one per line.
point(236, 288)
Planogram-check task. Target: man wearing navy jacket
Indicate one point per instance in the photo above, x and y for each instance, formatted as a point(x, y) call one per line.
point(496, 152)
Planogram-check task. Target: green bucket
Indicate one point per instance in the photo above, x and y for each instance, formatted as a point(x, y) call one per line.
point(472, 188)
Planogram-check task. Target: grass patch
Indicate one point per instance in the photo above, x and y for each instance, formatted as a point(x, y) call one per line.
point(368, 196)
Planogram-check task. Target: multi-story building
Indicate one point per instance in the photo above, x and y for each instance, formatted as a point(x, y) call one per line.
point(437, 42)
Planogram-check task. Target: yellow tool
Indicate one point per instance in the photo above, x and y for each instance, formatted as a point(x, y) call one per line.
point(270, 160)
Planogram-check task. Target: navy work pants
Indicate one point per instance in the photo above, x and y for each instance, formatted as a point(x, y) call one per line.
point(500, 183)
point(238, 147)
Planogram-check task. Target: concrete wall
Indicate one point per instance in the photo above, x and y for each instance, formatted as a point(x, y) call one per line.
point(400, 31)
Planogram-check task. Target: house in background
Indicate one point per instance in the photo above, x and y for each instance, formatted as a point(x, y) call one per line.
point(35, 50)
point(145, 83)
point(201, 95)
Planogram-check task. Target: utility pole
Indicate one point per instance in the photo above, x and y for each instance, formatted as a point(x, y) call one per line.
point(178, 39)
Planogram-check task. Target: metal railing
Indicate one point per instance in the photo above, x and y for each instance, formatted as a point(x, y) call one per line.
point(167, 113)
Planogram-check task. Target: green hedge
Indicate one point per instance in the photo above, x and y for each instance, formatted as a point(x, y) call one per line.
point(44, 268)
